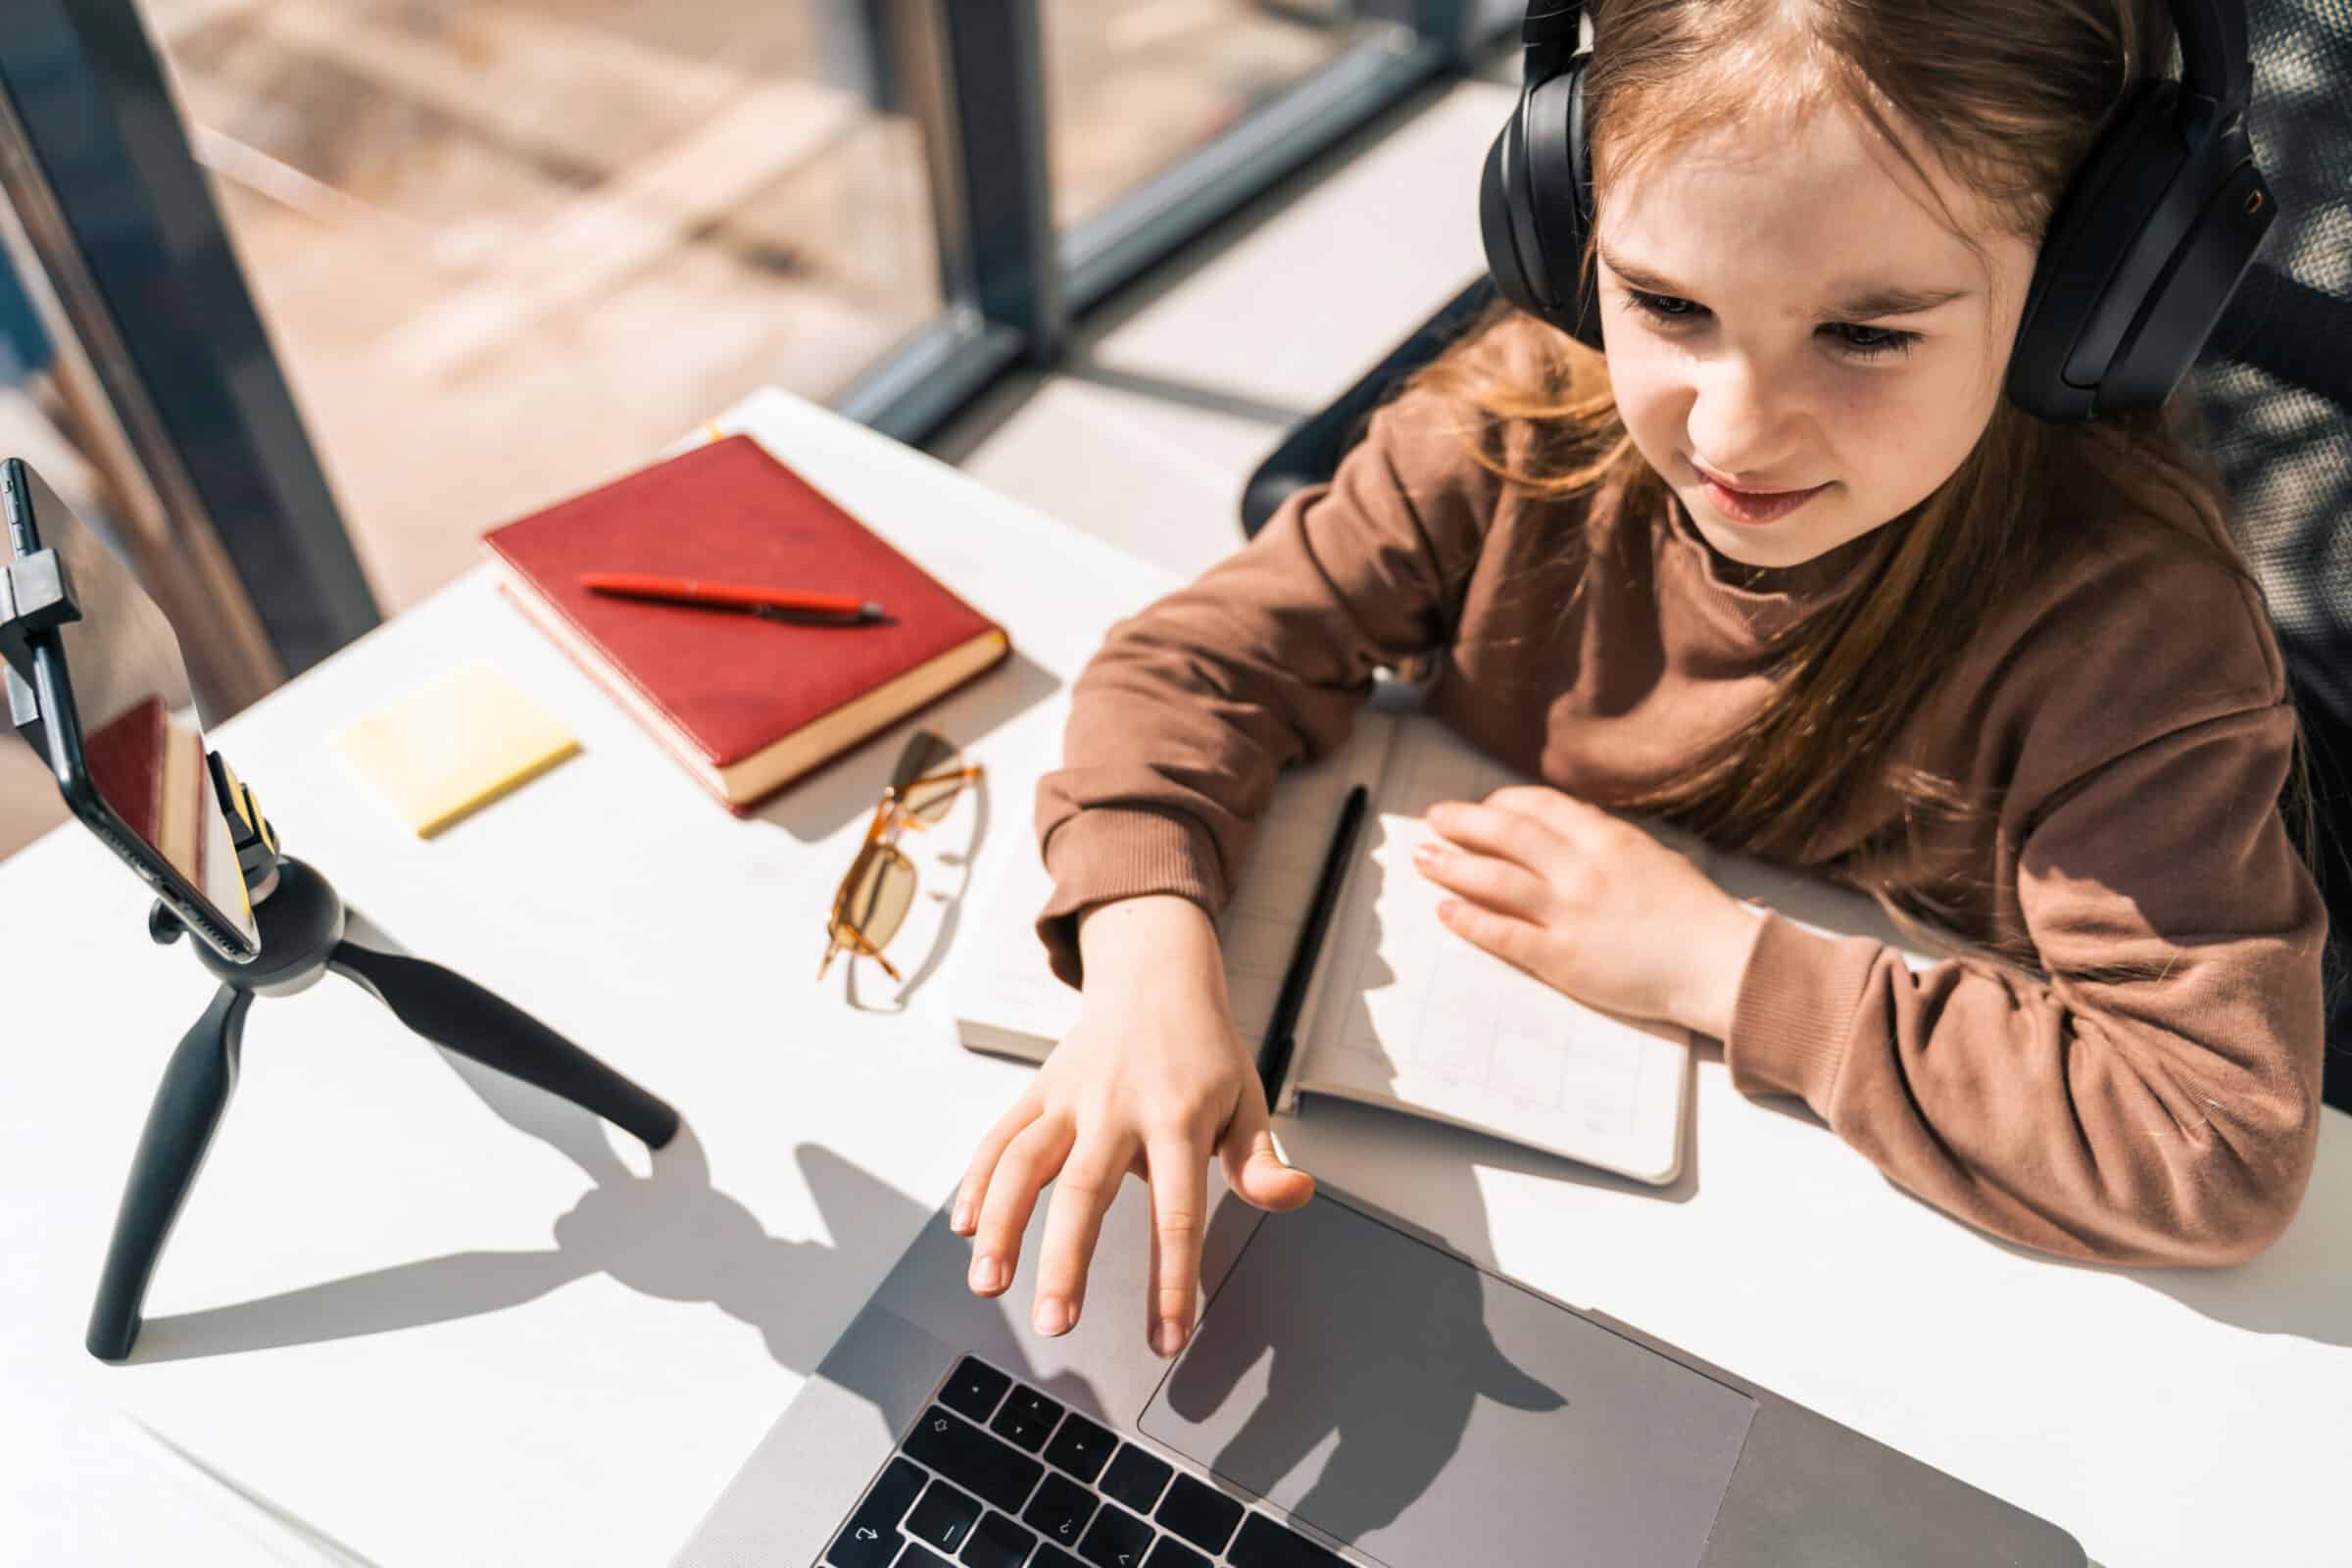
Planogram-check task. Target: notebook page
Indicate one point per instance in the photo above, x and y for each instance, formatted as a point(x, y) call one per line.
point(1007, 1001)
point(1413, 1017)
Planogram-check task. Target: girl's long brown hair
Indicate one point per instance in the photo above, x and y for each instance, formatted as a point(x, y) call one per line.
point(2010, 95)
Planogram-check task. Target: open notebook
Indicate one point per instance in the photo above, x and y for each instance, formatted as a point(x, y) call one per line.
point(1402, 1013)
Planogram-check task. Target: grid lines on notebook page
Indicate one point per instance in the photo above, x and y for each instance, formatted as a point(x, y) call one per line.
point(1409, 1013)
point(997, 1474)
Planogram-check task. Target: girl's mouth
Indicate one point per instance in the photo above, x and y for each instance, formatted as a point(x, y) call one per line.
point(1754, 508)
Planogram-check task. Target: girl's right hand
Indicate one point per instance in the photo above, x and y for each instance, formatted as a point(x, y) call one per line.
point(1148, 1082)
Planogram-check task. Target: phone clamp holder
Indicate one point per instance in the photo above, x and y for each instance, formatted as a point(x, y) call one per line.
point(36, 595)
point(304, 935)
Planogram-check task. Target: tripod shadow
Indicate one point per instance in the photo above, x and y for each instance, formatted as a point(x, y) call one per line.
point(667, 1234)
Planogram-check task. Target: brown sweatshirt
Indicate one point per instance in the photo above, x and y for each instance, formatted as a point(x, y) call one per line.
point(2127, 714)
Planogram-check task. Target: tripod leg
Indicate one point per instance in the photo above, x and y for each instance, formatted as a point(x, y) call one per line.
point(180, 1128)
point(453, 1011)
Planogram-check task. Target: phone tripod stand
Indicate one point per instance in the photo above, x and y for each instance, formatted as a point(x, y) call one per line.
point(303, 935)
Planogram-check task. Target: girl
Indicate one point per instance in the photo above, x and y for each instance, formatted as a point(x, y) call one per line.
point(1784, 565)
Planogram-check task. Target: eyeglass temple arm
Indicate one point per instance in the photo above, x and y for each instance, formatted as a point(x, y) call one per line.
point(892, 797)
point(958, 776)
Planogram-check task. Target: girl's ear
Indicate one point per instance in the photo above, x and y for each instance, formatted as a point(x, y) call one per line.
point(1536, 202)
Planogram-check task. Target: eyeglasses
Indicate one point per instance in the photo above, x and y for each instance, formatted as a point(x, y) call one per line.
point(872, 901)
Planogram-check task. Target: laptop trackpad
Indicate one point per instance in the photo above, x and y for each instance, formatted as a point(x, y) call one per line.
point(1428, 1414)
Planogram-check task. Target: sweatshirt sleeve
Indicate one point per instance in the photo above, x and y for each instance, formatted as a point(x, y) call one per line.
point(2155, 1099)
point(1179, 724)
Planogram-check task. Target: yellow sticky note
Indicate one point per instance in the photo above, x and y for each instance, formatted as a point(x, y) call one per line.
point(440, 753)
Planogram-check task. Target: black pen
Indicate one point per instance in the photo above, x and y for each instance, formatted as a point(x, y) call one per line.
point(1274, 1050)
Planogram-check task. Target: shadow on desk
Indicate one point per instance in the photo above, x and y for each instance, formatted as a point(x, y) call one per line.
point(668, 1234)
point(2298, 1286)
point(846, 787)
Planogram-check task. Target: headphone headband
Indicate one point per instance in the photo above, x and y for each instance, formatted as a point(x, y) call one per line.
point(2213, 52)
point(1550, 21)
point(2213, 45)
point(2143, 250)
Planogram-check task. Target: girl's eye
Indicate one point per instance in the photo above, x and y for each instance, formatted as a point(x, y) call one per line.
point(1664, 307)
point(1854, 342)
point(1874, 342)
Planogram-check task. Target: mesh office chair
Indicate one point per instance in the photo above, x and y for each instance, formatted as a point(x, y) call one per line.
point(2275, 383)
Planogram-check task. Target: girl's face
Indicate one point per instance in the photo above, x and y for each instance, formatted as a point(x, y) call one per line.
point(1787, 310)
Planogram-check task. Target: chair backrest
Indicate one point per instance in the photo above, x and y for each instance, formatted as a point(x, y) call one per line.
point(2276, 388)
point(1311, 452)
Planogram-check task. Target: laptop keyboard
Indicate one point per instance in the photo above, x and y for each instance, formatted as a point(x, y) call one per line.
point(997, 1475)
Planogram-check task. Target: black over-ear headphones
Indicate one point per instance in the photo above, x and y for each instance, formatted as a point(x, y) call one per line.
point(2142, 251)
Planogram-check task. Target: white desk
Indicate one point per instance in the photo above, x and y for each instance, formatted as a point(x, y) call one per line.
point(425, 1337)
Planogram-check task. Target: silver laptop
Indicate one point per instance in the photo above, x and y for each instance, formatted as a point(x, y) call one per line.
point(1356, 1394)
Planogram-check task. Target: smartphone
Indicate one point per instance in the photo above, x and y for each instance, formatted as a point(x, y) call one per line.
point(115, 718)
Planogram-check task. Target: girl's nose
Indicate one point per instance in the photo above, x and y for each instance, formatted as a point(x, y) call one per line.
point(1739, 421)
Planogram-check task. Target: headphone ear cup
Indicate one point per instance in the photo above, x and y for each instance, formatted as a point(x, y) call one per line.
point(2102, 212)
point(1502, 220)
point(1580, 238)
point(1559, 181)
point(2141, 258)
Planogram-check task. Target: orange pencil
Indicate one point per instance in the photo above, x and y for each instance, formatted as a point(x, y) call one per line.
point(846, 608)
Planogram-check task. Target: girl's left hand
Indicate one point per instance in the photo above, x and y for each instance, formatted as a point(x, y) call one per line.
point(1590, 905)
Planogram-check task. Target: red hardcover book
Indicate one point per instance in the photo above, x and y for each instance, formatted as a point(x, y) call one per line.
point(748, 704)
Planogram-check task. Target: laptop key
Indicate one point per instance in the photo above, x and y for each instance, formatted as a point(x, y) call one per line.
point(870, 1539)
point(998, 1542)
point(942, 1518)
point(1202, 1515)
point(1059, 1512)
point(1026, 1418)
point(864, 1546)
point(1081, 1447)
point(885, 1504)
point(1119, 1540)
point(917, 1555)
point(1263, 1543)
point(974, 1388)
point(973, 1459)
point(1042, 1406)
point(1173, 1553)
point(1135, 1478)
point(1053, 1557)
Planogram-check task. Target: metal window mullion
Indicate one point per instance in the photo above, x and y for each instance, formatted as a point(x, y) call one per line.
point(104, 134)
point(1451, 25)
point(996, 170)
point(917, 387)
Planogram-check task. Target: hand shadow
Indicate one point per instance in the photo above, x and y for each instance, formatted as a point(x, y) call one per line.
point(668, 1234)
point(1398, 1392)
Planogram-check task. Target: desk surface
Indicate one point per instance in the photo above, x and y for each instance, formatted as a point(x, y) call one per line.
point(416, 1315)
